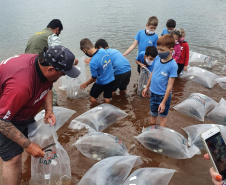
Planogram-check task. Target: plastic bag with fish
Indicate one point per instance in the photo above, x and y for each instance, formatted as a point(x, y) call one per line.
point(54, 167)
point(99, 145)
point(200, 76)
point(72, 85)
point(218, 114)
point(62, 115)
point(204, 60)
point(196, 106)
point(150, 176)
point(99, 117)
point(194, 133)
point(222, 82)
point(166, 141)
point(110, 171)
point(144, 76)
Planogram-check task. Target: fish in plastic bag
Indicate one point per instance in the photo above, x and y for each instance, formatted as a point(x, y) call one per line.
point(98, 145)
point(218, 114)
point(110, 171)
point(144, 76)
point(194, 133)
point(150, 176)
point(54, 167)
point(62, 115)
point(200, 76)
point(72, 85)
point(204, 60)
point(196, 106)
point(222, 82)
point(166, 141)
point(99, 117)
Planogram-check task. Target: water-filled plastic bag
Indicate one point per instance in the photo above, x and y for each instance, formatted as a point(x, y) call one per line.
point(99, 145)
point(54, 167)
point(110, 171)
point(72, 85)
point(99, 117)
point(194, 133)
point(218, 114)
point(196, 106)
point(62, 115)
point(200, 76)
point(166, 141)
point(150, 176)
point(222, 82)
point(204, 60)
point(144, 76)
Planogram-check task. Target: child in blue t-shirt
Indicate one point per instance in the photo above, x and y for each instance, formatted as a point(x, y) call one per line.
point(101, 70)
point(162, 79)
point(145, 58)
point(145, 38)
point(121, 66)
point(170, 27)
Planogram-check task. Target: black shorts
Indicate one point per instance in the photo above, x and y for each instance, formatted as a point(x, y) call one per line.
point(180, 68)
point(10, 149)
point(121, 81)
point(97, 89)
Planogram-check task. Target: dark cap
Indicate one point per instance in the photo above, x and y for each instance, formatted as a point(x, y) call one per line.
point(62, 59)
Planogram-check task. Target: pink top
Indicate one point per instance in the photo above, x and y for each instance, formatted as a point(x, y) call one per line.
point(176, 52)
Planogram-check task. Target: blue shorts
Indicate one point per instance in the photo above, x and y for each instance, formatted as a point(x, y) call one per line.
point(155, 101)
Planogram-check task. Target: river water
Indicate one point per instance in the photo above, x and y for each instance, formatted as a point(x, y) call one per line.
point(118, 22)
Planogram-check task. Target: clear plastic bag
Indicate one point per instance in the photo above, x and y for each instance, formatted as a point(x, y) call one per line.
point(194, 133)
point(144, 76)
point(99, 117)
point(62, 115)
point(200, 76)
point(110, 171)
point(222, 82)
point(218, 114)
point(150, 176)
point(98, 145)
point(196, 106)
point(54, 168)
point(166, 141)
point(204, 60)
point(73, 87)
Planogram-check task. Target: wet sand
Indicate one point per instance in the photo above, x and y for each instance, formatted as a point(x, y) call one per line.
point(194, 171)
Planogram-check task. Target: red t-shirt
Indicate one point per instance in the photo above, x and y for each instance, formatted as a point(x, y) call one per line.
point(23, 88)
point(184, 57)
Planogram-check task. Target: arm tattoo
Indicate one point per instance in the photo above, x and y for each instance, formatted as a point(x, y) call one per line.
point(10, 131)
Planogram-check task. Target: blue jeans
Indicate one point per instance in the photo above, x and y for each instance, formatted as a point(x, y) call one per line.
point(155, 101)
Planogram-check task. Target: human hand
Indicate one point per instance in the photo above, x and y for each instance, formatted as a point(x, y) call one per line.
point(49, 118)
point(124, 54)
point(161, 107)
point(83, 86)
point(76, 61)
point(35, 150)
point(185, 68)
point(144, 92)
point(216, 177)
point(142, 66)
point(87, 60)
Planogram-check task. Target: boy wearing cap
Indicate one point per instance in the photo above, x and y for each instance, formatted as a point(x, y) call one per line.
point(161, 80)
point(101, 71)
point(25, 84)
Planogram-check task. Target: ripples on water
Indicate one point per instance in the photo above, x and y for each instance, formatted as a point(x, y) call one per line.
point(118, 22)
